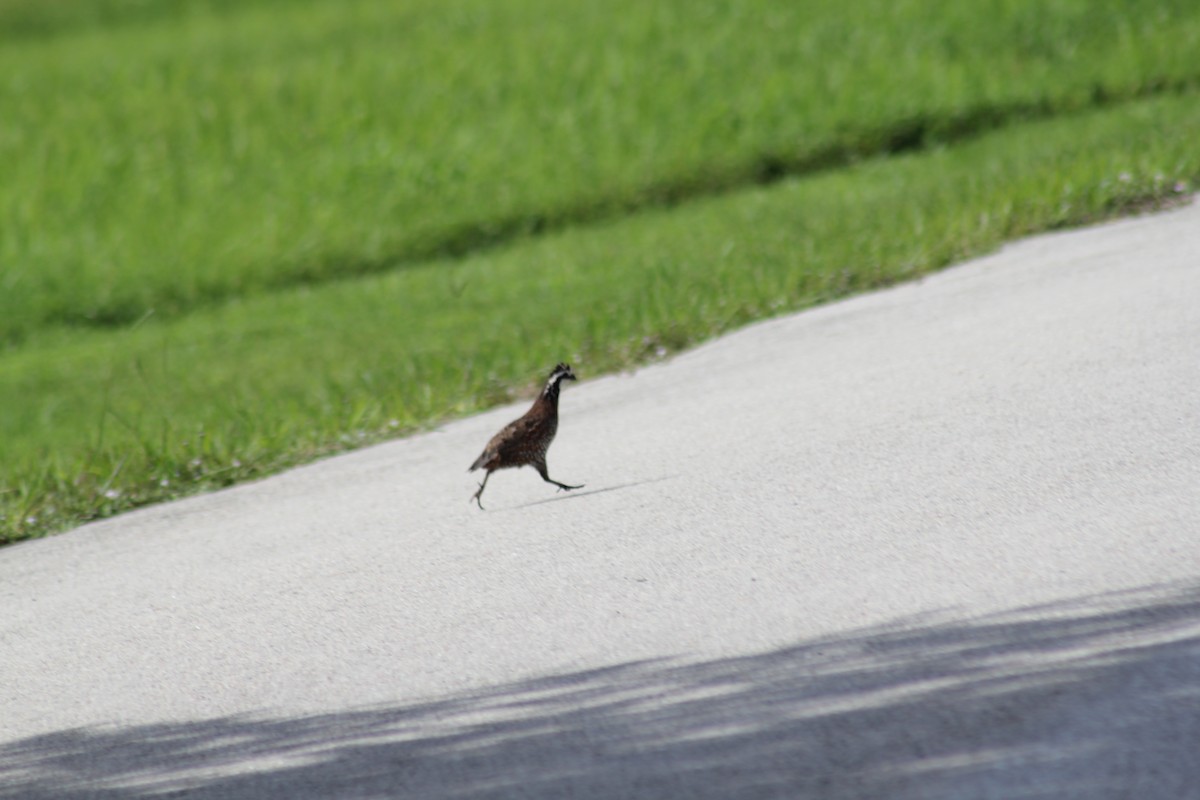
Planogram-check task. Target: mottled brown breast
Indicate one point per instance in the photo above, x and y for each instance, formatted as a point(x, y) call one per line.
point(521, 442)
point(530, 444)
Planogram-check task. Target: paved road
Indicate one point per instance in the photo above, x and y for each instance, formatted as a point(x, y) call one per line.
point(939, 541)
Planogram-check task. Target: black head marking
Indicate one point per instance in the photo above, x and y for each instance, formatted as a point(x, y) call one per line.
point(561, 372)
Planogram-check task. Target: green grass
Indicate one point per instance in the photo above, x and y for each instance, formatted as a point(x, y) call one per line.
point(234, 237)
point(177, 154)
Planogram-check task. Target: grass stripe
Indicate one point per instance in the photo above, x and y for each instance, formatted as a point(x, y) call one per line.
point(203, 155)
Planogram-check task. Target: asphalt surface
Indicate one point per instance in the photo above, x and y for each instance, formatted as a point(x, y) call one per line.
point(939, 541)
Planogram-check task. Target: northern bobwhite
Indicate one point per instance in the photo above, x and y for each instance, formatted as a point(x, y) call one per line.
point(525, 441)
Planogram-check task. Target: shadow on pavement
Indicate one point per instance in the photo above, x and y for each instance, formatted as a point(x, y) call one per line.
point(1095, 698)
point(560, 496)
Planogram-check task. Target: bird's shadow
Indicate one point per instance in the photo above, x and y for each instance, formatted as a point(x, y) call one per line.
point(571, 495)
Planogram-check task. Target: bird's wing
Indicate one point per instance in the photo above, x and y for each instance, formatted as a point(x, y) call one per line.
point(509, 436)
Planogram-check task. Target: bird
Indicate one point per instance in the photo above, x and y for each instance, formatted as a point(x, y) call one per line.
point(524, 441)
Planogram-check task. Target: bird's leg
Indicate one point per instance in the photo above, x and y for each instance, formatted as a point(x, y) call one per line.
point(477, 495)
point(541, 468)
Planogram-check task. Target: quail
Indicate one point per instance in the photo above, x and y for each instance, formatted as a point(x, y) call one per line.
point(525, 441)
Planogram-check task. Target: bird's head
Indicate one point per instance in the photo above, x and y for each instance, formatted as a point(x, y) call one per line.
point(561, 372)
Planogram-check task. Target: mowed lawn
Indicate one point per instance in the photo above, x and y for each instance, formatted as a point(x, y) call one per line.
point(236, 236)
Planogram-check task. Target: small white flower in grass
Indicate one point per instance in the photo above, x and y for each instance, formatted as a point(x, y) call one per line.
point(1124, 177)
point(393, 423)
point(31, 520)
point(237, 462)
point(165, 482)
point(112, 494)
point(195, 463)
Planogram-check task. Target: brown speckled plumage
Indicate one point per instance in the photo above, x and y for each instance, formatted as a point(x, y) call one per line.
point(524, 441)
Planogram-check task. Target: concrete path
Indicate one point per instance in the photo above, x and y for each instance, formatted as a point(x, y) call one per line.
point(941, 541)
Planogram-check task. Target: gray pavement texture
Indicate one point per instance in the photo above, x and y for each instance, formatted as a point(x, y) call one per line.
point(938, 541)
